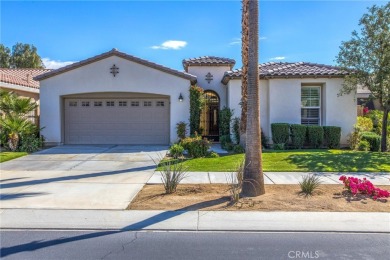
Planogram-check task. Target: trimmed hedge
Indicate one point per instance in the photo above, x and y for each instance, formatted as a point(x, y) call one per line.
point(332, 135)
point(298, 135)
point(373, 139)
point(196, 146)
point(225, 140)
point(280, 133)
point(225, 119)
point(315, 135)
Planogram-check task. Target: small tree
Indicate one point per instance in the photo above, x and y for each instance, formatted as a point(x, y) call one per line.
point(368, 55)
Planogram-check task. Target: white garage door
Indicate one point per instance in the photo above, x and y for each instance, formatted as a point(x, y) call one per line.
point(116, 121)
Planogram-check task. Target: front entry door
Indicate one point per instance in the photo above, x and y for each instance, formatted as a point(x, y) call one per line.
point(209, 122)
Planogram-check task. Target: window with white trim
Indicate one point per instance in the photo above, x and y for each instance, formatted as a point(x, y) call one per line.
point(160, 103)
point(123, 103)
point(73, 103)
point(311, 105)
point(147, 103)
point(97, 103)
point(135, 103)
point(110, 103)
point(85, 103)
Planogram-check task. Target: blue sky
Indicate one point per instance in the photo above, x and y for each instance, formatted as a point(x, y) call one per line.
point(166, 32)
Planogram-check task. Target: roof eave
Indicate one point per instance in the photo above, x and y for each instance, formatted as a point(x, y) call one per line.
point(117, 53)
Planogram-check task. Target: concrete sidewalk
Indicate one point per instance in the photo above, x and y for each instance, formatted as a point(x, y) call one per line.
point(276, 177)
point(195, 220)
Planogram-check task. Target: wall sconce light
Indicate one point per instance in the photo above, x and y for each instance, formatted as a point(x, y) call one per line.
point(181, 98)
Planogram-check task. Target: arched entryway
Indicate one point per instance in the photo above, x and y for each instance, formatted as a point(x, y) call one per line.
point(209, 119)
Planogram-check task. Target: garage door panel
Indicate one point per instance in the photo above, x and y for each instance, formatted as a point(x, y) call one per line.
point(146, 123)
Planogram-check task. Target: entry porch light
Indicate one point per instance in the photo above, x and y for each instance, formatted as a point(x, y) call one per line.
point(181, 98)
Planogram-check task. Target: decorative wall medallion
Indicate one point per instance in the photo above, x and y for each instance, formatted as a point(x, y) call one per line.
point(209, 77)
point(114, 70)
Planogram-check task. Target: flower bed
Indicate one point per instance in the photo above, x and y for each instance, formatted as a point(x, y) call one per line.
point(358, 186)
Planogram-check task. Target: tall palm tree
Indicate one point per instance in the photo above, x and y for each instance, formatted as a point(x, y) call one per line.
point(244, 79)
point(253, 184)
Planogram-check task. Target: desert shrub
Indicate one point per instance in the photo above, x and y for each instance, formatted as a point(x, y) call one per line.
point(298, 135)
point(181, 130)
point(225, 119)
point(354, 139)
point(225, 140)
point(176, 151)
point(332, 135)
point(236, 130)
point(212, 155)
point(30, 143)
point(264, 140)
point(315, 135)
point(196, 146)
point(364, 124)
point(278, 146)
point(373, 139)
point(280, 133)
point(309, 184)
point(235, 181)
point(172, 173)
point(238, 149)
point(229, 147)
point(363, 145)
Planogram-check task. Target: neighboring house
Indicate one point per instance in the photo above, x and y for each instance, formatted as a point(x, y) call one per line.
point(21, 81)
point(364, 100)
point(115, 98)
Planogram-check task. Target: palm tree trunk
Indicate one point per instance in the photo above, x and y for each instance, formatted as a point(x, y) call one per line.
point(244, 79)
point(253, 184)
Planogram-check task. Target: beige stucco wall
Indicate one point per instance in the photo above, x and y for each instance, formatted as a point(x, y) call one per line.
point(217, 71)
point(22, 91)
point(96, 78)
point(281, 103)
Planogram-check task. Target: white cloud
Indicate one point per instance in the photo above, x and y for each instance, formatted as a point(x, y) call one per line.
point(278, 58)
point(235, 41)
point(170, 45)
point(55, 64)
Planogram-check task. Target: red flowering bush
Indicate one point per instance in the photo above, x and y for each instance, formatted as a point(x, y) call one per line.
point(365, 110)
point(356, 185)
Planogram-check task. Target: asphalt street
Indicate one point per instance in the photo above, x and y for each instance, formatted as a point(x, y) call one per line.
point(191, 245)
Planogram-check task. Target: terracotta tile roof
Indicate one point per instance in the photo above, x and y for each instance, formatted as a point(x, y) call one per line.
point(290, 70)
point(21, 77)
point(115, 52)
point(208, 60)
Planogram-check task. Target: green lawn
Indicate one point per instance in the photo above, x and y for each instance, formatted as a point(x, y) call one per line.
point(6, 156)
point(301, 161)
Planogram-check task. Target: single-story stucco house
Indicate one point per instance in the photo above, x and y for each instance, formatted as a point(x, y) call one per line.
point(116, 98)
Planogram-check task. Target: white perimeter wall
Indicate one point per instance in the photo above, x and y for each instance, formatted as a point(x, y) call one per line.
point(281, 103)
point(96, 77)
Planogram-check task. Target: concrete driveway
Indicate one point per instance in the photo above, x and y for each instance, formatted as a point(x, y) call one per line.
point(78, 177)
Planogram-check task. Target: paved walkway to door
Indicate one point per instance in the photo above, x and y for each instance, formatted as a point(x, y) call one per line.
point(78, 177)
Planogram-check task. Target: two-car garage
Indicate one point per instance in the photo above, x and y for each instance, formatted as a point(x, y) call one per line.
point(116, 120)
point(113, 98)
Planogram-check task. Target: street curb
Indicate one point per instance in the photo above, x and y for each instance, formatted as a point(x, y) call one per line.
point(233, 221)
